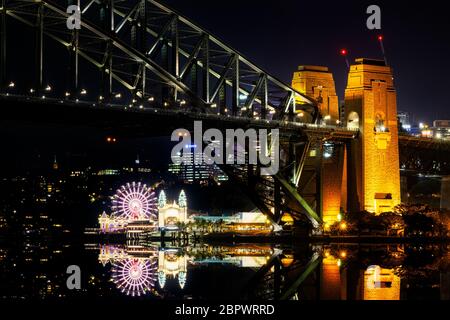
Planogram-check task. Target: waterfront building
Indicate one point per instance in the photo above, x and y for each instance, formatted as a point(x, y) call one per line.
point(170, 214)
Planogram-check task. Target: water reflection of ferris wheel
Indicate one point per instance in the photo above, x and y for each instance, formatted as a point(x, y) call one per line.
point(135, 277)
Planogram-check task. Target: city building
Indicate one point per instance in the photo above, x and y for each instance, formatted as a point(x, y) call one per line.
point(195, 170)
point(243, 222)
point(110, 224)
point(441, 129)
point(404, 119)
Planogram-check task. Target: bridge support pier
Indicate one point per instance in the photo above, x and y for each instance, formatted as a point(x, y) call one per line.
point(332, 183)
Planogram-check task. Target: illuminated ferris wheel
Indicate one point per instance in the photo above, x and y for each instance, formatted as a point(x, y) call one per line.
point(135, 201)
point(134, 277)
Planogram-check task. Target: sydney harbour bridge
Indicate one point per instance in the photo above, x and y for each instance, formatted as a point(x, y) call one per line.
point(139, 68)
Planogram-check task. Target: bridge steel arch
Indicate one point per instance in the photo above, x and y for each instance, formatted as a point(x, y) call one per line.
point(142, 45)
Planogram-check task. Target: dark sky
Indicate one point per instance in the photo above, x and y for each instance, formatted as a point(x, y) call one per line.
point(279, 35)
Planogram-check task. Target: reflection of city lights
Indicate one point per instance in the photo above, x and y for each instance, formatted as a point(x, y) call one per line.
point(134, 201)
point(134, 277)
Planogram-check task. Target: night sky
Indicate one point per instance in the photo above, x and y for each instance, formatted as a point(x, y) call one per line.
point(280, 35)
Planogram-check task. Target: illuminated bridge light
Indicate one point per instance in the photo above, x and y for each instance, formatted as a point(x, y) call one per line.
point(11, 85)
point(48, 88)
point(83, 92)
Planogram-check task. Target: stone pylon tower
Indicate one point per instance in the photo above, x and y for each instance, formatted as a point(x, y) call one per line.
point(373, 159)
point(318, 83)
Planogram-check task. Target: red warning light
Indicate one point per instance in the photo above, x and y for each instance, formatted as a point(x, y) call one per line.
point(380, 38)
point(344, 52)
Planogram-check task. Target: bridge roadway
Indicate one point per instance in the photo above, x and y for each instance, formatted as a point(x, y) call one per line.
point(120, 119)
point(117, 118)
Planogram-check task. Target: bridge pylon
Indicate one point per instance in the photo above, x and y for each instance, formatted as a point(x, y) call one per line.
point(370, 105)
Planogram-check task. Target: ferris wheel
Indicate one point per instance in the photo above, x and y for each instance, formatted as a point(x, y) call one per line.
point(134, 201)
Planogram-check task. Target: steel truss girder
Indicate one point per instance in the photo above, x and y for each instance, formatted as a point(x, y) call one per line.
point(275, 194)
point(275, 95)
point(92, 32)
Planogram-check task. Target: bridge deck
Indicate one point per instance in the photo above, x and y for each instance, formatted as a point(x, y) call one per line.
point(111, 116)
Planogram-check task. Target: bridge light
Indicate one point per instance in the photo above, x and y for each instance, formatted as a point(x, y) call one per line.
point(151, 99)
point(11, 85)
point(166, 104)
point(31, 90)
point(327, 117)
point(182, 102)
point(214, 105)
point(141, 107)
point(118, 95)
point(48, 88)
point(343, 254)
point(338, 122)
point(43, 97)
point(67, 94)
point(101, 98)
point(134, 100)
point(242, 97)
point(301, 114)
point(83, 92)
